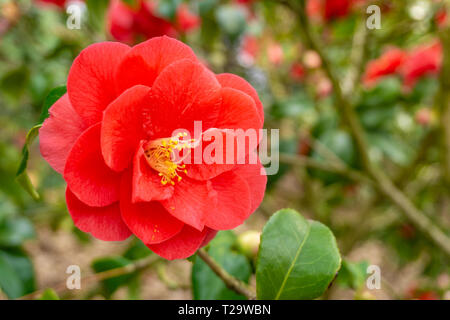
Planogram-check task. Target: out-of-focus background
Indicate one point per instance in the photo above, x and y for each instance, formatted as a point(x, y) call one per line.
point(392, 71)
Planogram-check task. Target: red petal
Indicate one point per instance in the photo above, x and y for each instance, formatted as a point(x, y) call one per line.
point(90, 84)
point(147, 60)
point(238, 111)
point(182, 246)
point(122, 127)
point(209, 236)
point(190, 202)
point(59, 132)
point(209, 159)
point(149, 221)
point(228, 80)
point(256, 181)
point(104, 223)
point(146, 183)
point(86, 173)
point(233, 202)
point(184, 92)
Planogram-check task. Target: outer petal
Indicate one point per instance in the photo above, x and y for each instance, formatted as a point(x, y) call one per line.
point(183, 93)
point(228, 80)
point(104, 223)
point(233, 202)
point(190, 202)
point(145, 61)
point(59, 132)
point(183, 245)
point(146, 183)
point(149, 221)
point(86, 173)
point(254, 175)
point(122, 127)
point(238, 111)
point(90, 84)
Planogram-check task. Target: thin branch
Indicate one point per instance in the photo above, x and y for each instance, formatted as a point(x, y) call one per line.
point(444, 102)
point(231, 282)
point(97, 277)
point(329, 167)
point(357, 58)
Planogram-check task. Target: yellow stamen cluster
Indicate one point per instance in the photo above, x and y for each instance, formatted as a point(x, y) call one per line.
point(160, 156)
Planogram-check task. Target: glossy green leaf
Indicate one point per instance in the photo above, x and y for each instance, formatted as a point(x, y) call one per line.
point(297, 258)
point(205, 284)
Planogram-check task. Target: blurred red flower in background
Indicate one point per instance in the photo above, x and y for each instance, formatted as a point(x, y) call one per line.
point(128, 24)
point(297, 72)
point(422, 61)
point(59, 3)
point(111, 136)
point(329, 9)
point(419, 62)
point(249, 49)
point(275, 53)
point(388, 63)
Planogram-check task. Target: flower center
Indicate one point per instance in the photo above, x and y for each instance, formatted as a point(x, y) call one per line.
point(166, 156)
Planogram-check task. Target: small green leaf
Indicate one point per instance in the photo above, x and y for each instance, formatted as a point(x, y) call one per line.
point(49, 294)
point(297, 258)
point(51, 98)
point(205, 284)
point(22, 176)
point(14, 231)
point(16, 273)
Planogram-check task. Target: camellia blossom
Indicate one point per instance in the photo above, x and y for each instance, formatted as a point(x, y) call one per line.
point(417, 63)
point(422, 61)
point(388, 63)
point(128, 23)
point(329, 9)
point(111, 136)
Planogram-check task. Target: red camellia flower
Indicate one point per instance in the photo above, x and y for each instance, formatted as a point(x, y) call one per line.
point(329, 9)
point(128, 23)
point(112, 138)
point(388, 63)
point(422, 61)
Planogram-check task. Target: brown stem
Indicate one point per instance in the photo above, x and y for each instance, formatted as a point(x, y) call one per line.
point(231, 282)
point(97, 277)
point(444, 103)
point(329, 167)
